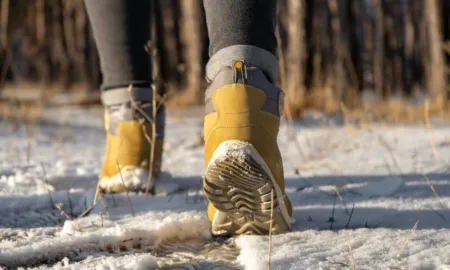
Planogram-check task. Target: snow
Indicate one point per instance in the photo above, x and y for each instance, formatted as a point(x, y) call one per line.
point(356, 192)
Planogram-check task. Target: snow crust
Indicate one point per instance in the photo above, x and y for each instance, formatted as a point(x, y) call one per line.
point(356, 195)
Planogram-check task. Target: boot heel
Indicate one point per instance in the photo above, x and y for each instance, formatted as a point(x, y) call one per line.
point(239, 184)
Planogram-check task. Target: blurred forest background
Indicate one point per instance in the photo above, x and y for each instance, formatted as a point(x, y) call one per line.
point(334, 54)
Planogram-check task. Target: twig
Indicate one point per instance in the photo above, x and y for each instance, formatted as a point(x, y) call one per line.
point(341, 199)
point(402, 247)
point(85, 203)
point(102, 214)
point(105, 205)
point(352, 257)
point(150, 169)
point(61, 211)
point(137, 107)
point(171, 197)
point(350, 217)
point(438, 213)
point(153, 144)
point(270, 229)
point(427, 180)
point(94, 202)
point(430, 129)
point(48, 190)
point(130, 204)
point(331, 219)
point(97, 191)
point(389, 149)
point(29, 142)
point(114, 200)
point(70, 203)
point(151, 140)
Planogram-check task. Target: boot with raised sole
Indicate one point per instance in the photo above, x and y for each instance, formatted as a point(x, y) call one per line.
point(129, 133)
point(244, 167)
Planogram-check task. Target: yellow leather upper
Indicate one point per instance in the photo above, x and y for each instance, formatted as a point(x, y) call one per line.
point(129, 148)
point(239, 116)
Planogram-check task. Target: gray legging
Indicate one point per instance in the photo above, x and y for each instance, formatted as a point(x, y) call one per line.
point(237, 29)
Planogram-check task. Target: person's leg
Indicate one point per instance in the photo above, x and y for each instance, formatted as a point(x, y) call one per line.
point(243, 109)
point(242, 30)
point(121, 30)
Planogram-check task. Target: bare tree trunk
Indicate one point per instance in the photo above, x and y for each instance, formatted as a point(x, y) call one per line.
point(192, 40)
point(158, 50)
point(42, 65)
point(328, 49)
point(320, 42)
point(389, 63)
point(169, 42)
point(295, 57)
point(69, 35)
point(58, 51)
point(93, 61)
point(28, 45)
point(4, 18)
point(407, 47)
point(435, 75)
point(338, 67)
point(80, 19)
point(366, 17)
point(378, 51)
point(5, 54)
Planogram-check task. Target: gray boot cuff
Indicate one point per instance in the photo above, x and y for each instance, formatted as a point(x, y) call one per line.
point(121, 95)
point(251, 55)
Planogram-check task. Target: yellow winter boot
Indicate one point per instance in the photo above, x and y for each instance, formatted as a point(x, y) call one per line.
point(244, 179)
point(128, 143)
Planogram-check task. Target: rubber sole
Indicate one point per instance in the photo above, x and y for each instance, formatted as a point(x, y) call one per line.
point(238, 184)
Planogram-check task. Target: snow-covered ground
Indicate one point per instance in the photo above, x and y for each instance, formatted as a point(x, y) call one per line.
point(357, 194)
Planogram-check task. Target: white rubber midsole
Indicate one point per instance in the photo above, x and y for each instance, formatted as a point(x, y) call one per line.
point(130, 176)
point(136, 178)
point(239, 149)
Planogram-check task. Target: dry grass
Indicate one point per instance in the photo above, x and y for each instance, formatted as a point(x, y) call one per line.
point(352, 257)
point(270, 229)
point(21, 111)
point(49, 93)
point(427, 180)
point(61, 211)
point(48, 190)
point(430, 129)
point(397, 111)
point(407, 238)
